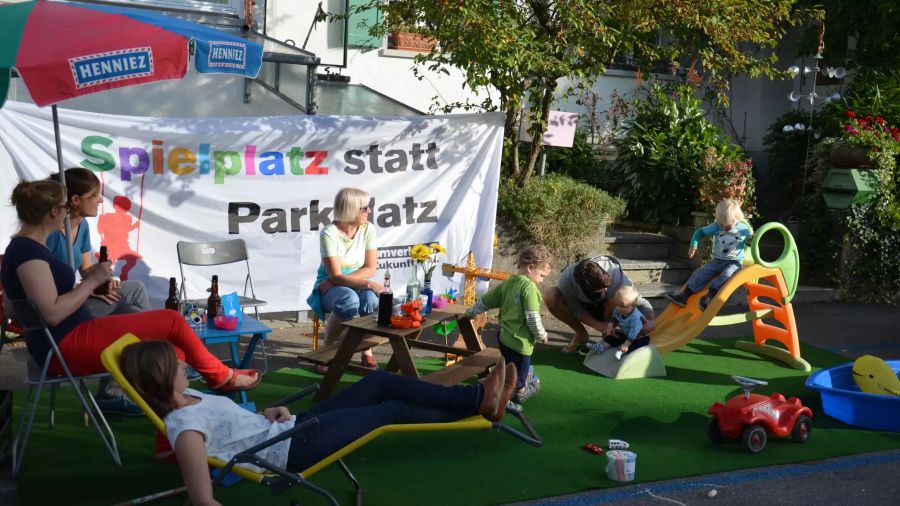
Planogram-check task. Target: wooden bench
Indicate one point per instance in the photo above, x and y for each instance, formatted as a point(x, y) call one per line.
point(464, 369)
point(325, 354)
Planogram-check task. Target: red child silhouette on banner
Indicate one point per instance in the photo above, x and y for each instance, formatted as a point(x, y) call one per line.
point(114, 229)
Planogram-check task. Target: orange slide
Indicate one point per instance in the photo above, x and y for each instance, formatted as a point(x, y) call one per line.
point(770, 289)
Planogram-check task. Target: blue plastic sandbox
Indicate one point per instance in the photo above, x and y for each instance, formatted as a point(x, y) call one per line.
point(842, 399)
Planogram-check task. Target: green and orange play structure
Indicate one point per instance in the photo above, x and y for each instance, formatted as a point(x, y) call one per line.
point(770, 288)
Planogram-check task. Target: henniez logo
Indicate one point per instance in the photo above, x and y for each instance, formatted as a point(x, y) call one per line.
point(227, 54)
point(109, 66)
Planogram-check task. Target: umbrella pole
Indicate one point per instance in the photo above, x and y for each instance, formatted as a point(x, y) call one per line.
point(62, 179)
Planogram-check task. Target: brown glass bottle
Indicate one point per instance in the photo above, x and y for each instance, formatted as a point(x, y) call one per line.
point(172, 301)
point(104, 288)
point(385, 302)
point(214, 301)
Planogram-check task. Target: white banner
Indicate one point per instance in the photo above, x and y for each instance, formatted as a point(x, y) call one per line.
point(270, 181)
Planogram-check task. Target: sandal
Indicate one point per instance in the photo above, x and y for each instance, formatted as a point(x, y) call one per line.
point(229, 386)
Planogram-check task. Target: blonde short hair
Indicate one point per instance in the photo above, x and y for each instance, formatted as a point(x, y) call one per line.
point(626, 296)
point(348, 202)
point(729, 212)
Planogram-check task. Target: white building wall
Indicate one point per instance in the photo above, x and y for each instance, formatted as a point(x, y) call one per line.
point(754, 103)
point(388, 72)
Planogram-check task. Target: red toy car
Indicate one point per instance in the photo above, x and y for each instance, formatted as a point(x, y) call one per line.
point(750, 417)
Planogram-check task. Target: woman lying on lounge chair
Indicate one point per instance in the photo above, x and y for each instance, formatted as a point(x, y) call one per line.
point(200, 425)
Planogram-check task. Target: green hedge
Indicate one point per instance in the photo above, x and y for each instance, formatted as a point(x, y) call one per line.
point(556, 211)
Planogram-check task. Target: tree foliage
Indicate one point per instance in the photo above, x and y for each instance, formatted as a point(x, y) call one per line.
point(522, 48)
point(872, 26)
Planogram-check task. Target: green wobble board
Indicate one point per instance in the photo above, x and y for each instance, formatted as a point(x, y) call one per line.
point(643, 362)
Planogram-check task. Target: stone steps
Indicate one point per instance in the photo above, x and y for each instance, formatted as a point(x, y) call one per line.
point(638, 245)
point(657, 264)
point(647, 271)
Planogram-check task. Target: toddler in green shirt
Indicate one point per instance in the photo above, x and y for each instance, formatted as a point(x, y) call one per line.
point(519, 300)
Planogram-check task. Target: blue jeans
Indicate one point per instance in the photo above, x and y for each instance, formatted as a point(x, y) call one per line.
point(523, 362)
point(721, 270)
point(348, 303)
point(378, 399)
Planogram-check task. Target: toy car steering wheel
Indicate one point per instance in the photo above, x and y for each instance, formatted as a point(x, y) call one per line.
point(743, 380)
point(748, 384)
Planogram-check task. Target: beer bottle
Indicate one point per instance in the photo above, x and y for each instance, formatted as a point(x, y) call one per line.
point(214, 302)
point(172, 301)
point(385, 302)
point(104, 288)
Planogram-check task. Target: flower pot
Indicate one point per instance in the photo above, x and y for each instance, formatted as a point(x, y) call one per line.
point(846, 155)
point(408, 41)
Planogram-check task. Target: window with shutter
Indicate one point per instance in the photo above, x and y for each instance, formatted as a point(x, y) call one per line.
point(360, 23)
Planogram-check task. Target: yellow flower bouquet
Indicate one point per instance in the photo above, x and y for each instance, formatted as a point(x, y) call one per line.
point(426, 256)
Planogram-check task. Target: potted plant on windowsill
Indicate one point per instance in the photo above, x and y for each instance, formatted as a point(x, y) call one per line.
point(405, 29)
point(405, 39)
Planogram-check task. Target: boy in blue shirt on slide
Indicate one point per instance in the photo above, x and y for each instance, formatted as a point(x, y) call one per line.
point(730, 235)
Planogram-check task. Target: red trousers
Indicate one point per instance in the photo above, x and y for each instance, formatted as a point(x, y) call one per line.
point(81, 347)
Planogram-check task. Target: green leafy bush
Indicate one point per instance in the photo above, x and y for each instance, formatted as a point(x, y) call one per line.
point(780, 187)
point(581, 162)
point(871, 265)
point(870, 93)
point(661, 153)
point(556, 211)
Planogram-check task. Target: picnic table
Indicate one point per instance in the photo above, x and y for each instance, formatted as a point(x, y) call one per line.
point(364, 333)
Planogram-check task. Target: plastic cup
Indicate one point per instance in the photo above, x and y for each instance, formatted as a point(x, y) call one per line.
point(620, 465)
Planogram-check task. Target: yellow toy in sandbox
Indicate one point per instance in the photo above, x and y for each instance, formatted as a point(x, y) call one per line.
point(875, 376)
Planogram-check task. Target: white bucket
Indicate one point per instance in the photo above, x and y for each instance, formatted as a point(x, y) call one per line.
point(620, 465)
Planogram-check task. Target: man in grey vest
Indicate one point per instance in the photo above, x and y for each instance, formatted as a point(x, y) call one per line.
point(584, 297)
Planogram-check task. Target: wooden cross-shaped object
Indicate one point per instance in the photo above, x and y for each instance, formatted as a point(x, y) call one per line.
point(471, 272)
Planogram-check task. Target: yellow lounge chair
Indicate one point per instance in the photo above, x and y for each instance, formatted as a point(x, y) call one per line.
point(278, 479)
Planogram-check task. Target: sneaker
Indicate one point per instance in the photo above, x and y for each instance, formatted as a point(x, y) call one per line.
point(704, 301)
point(192, 373)
point(527, 392)
point(118, 405)
point(532, 377)
point(585, 349)
point(676, 298)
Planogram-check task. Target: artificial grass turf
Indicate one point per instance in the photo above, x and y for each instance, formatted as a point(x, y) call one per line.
point(664, 419)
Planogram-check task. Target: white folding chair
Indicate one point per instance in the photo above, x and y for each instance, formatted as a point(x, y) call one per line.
point(38, 376)
point(207, 254)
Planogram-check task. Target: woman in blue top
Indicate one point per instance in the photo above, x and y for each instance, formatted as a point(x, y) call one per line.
point(349, 259)
point(84, 199)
